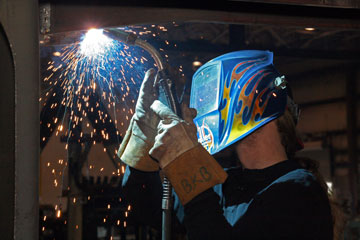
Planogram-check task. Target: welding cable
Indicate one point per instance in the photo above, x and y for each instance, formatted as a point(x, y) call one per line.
point(170, 96)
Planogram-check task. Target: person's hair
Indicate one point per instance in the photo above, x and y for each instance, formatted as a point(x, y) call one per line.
point(289, 139)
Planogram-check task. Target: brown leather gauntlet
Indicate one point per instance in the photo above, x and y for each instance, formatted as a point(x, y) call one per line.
point(193, 172)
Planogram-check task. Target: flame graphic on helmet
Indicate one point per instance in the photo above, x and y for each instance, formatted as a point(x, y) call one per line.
point(243, 105)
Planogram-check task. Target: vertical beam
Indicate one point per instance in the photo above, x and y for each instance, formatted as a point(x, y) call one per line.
point(351, 99)
point(23, 34)
point(7, 140)
point(75, 213)
point(20, 21)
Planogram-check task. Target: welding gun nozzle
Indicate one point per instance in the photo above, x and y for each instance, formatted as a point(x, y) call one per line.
point(125, 37)
point(132, 39)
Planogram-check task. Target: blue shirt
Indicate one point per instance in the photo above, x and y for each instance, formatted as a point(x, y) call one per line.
point(282, 201)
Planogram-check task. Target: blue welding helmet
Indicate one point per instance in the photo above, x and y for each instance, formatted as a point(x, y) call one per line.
point(235, 94)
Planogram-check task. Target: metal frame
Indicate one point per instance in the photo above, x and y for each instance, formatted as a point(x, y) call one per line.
point(7, 141)
point(20, 22)
point(71, 17)
point(321, 3)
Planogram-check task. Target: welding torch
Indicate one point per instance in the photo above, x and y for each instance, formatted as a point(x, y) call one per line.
point(167, 95)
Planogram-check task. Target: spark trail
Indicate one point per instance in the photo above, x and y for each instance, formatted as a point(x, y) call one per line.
point(91, 76)
point(85, 84)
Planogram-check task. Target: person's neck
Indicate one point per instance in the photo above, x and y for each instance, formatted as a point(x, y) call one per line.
point(262, 149)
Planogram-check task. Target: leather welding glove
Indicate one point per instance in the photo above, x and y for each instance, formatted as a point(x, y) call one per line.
point(139, 137)
point(188, 166)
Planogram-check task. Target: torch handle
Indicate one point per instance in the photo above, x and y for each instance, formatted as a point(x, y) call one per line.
point(167, 95)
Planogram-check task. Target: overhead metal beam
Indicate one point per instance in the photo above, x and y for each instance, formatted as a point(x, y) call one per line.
point(208, 47)
point(318, 3)
point(73, 17)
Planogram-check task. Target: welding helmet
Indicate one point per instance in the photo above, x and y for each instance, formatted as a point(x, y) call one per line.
point(234, 95)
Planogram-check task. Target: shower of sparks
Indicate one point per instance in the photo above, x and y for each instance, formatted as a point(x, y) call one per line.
point(87, 86)
point(92, 76)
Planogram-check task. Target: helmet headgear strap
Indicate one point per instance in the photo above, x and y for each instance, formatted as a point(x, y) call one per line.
point(281, 83)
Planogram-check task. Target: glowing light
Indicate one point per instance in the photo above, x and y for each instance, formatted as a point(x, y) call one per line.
point(330, 187)
point(310, 29)
point(57, 54)
point(58, 213)
point(95, 43)
point(196, 63)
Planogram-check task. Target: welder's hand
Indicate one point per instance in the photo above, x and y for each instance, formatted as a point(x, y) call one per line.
point(175, 136)
point(189, 167)
point(139, 138)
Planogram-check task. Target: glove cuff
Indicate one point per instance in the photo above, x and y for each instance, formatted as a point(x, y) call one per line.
point(193, 172)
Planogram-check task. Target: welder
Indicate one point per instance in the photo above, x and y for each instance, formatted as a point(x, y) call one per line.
point(244, 106)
